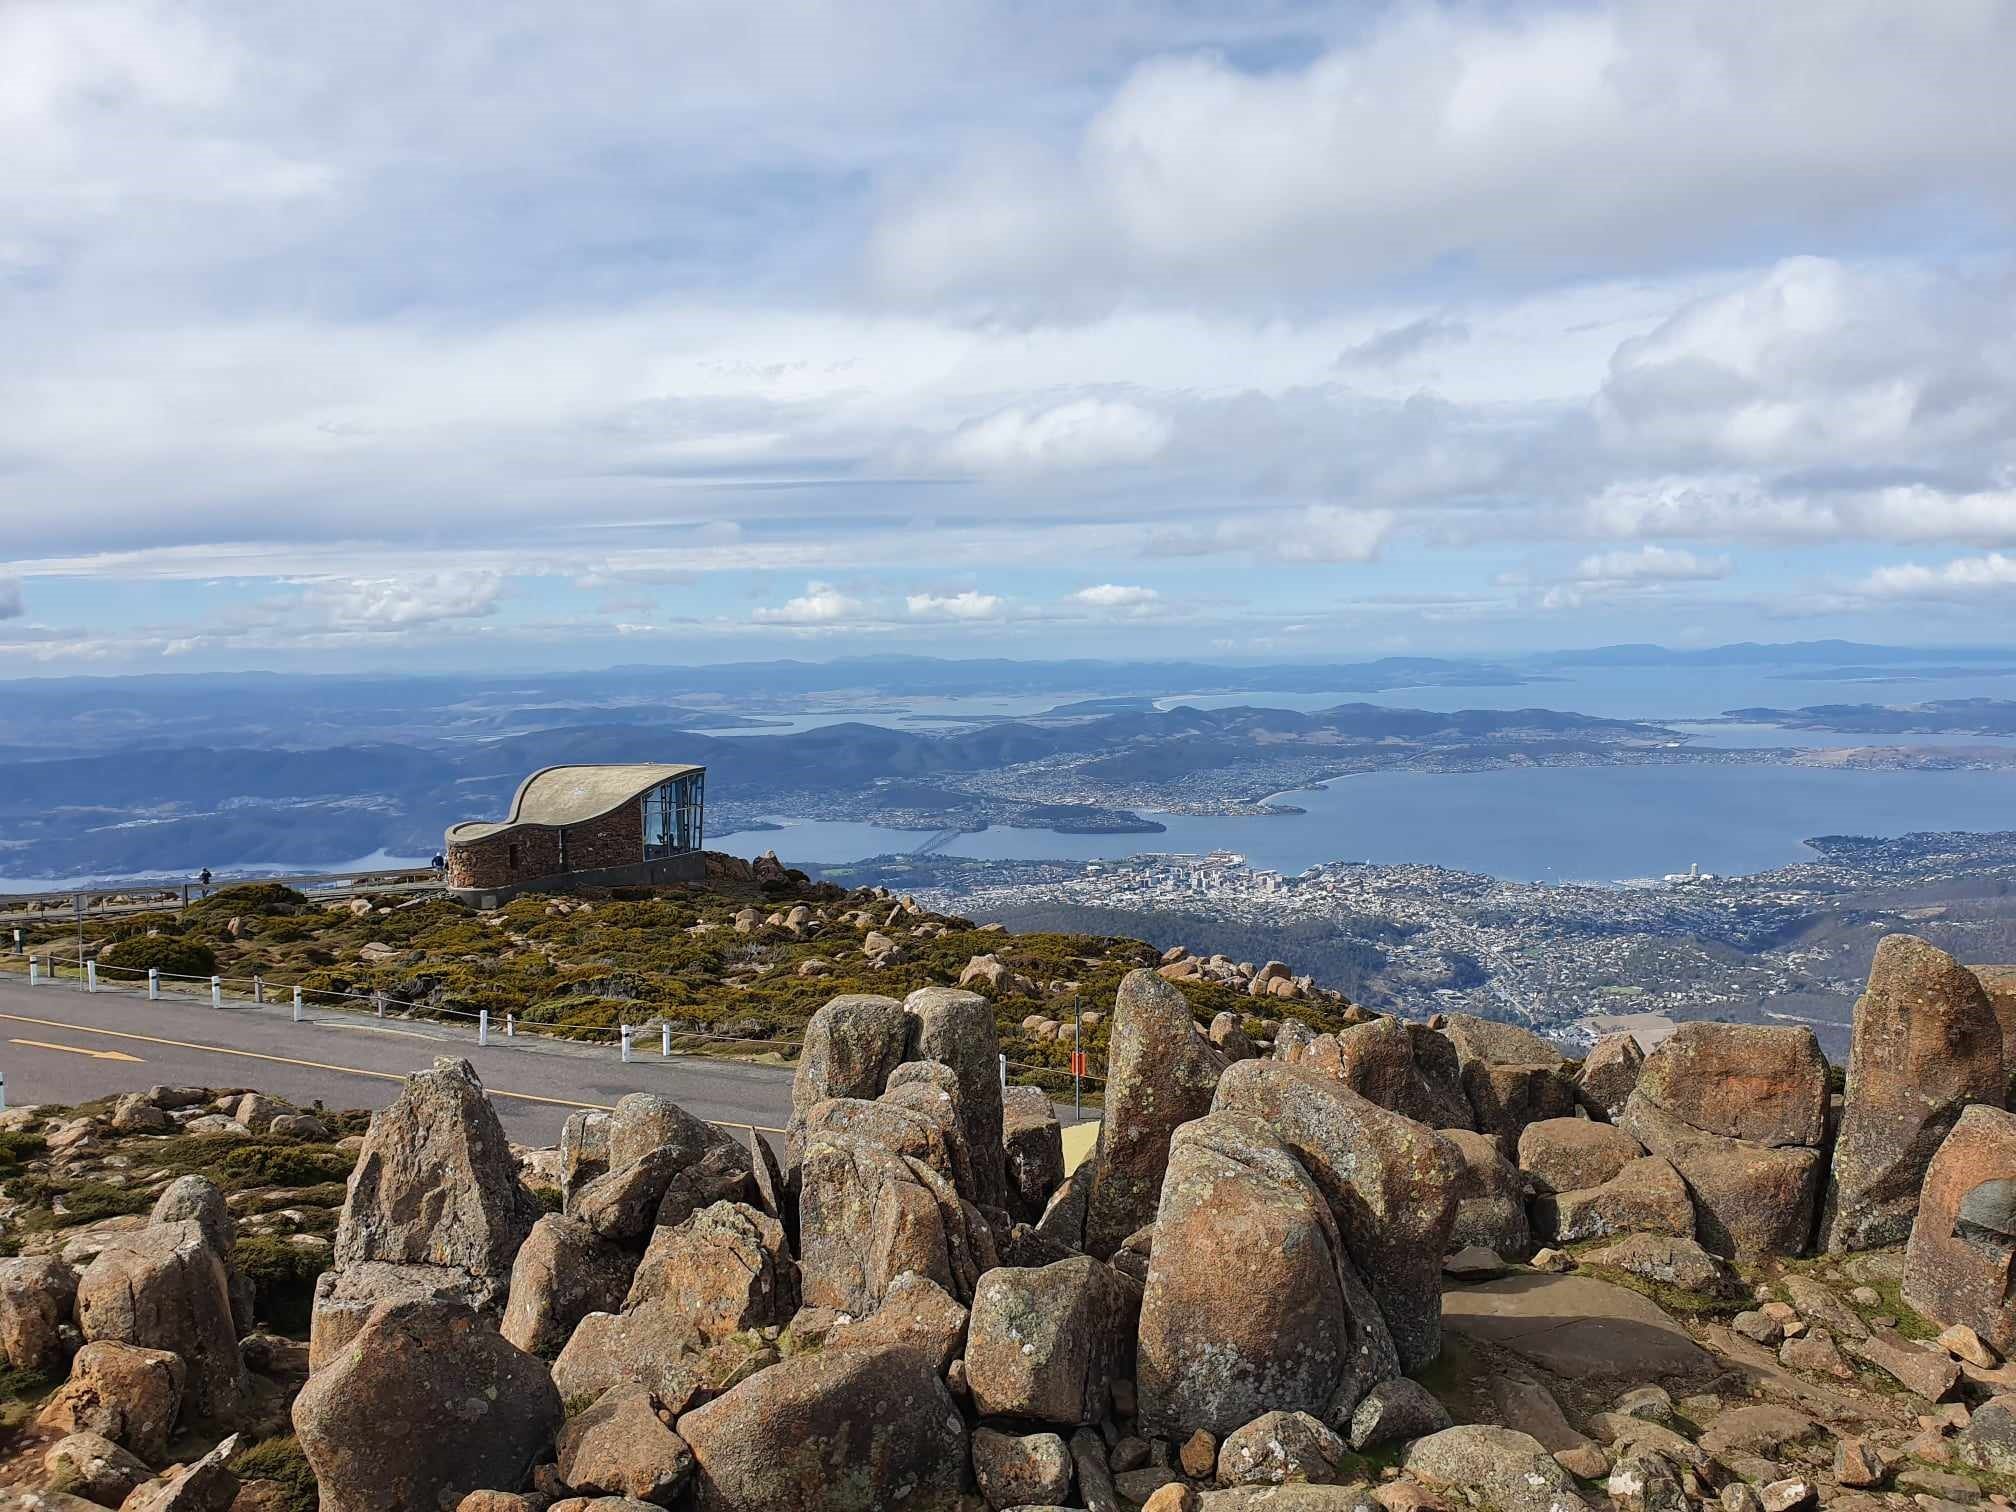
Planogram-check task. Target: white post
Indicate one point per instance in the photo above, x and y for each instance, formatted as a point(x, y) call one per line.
point(153, 984)
point(297, 1005)
point(510, 1025)
point(90, 976)
point(34, 972)
point(216, 992)
point(624, 1031)
point(1004, 1073)
point(665, 1039)
point(482, 1026)
point(259, 990)
point(3, 1092)
point(378, 1002)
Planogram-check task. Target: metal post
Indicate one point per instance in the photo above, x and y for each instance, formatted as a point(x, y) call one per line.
point(624, 1032)
point(297, 1005)
point(1004, 1073)
point(665, 1039)
point(153, 984)
point(482, 1026)
point(510, 1025)
point(378, 1002)
point(216, 992)
point(1077, 1063)
point(34, 972)
point(90, 976)
point(3, 1092)
point(259, 990)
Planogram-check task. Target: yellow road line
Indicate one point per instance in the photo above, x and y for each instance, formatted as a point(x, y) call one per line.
point(284, 1060)
point(118, 1055)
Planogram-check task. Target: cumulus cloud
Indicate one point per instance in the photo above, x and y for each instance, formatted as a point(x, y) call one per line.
point(819, 604)
point(1123, 597)
point(1964, 578)
point(1661, 564)
point(1084, 433)
point(966, 605)
point(403, 603)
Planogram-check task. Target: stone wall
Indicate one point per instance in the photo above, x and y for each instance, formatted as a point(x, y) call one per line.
point(513, 857)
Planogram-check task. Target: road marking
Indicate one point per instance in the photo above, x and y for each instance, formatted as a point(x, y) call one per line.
point(439, 1039)
point(111, 1055)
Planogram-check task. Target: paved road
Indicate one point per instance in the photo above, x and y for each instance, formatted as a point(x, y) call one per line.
point(61, 1044)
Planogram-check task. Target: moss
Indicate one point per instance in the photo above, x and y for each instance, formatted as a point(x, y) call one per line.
point(281, 1460)
point(80, 1202)
point(1676, 1301)
point(17, 1147)
point(237, 1164)
point(547, 1197)
point(283, 1277)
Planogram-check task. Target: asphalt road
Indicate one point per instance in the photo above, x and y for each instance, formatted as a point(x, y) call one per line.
point(59, 1044)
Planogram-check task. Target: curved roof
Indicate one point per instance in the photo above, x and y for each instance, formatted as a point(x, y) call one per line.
point(558, 795)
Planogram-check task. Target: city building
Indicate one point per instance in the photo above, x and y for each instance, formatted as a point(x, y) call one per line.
point(584, 826)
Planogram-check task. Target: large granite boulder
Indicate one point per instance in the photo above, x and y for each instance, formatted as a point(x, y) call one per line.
point(1609, 1074)
point(1408, 1069)
point(1033, 1150)
point(1961, 1263)
point(911, 1132)
point(1047, 1343)
point(844, 1430)
point(1925, 1044)
point(200, 1200)
point(564, 1271)
point(1499, 1043)
point(1999, 982)
point(1646, 1196)
point(931, 1089)
point(1766, 1085)
point(38, 1295)
point(1252, 1302)
point(1749, 1199)
point(1500, 1467)
point(867, 1214)
point(1490, 1198)
point(1020, 1471)
point(346, 1298)
point(1569, 1154)
point(1161, 1072)
point(426, 1404)
point(163, 1287)
point(130, 1395)
point(956, 1029)
point(725, 1269)
point(620, 1447)
point(1392, 1184)
point(851, 1046)
point(654, 1347)
point(584, 1150)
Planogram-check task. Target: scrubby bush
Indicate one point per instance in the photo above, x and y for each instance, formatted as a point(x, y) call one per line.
point(283, 1278)
point(280, 1460)
point(171, 955)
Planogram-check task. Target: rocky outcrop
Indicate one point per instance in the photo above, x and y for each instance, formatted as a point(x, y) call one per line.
point(130, 1395)
point(1749, 1199)
point(1961, 1263)
point(38, 1295)
point(956, 1029)
point(1646, 1196)
point(164, 1288)
point(1048, 1343)
point(426, 1403)
point(867, 1214)
point(563, 1272)
point(724, 1270)
point(851, 1046)
point(1925, 1044)
point(1490, 1198)
point(1252, 1304)
point(620, 1447)
point(1405, 1068)
point(1161, 1072)
point(1609, 1074)
point(1033, 1150)
point(848, 1430)
point(1391, 1184)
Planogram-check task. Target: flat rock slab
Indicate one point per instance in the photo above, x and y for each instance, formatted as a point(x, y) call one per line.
point(1576, 1327)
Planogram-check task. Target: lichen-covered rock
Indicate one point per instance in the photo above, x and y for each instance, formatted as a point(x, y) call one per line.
point(844, 1430)
point(620, 1447)
point(1252, 1303)
point(1501, 1467)
point(1047, 1344)
point(1382, 1060)
point(206, 1486)
point(345, 1299)
point(1749, 1199)
point(164, 1287)
point(652, 1347)
point(1281, 1447)
point(93, 1467)
point(915, 1314)
point(901, 1130)
point(1015, 1470)
point(1961, 1262)
point(956, 1029)
point(563, 1272)
point(201, 1200)
point(932, 1089)
point(38, 1295)
point(1033, 1150)
point(1392, 1184)
point(866, 1215)
point(1160, 1073)
point(1763, 1085)
point(1670, 1262)
point(122, 1392)
point(1609, 1074)
point(1646, 1196)
point(851, 1046)
point(1504, 1099)
point(426, 1402)
point(1925, 1044)
point(1572, 1154)
point(1490, 1198)
point(584, 1150)
point(1395, 1410)
point(725, 1269)
point(1499, 1043)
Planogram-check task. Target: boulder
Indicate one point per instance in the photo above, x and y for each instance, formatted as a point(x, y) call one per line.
point(847, 1430)
point(563, 1272)
point(1766, 1086)
point(206, 1486)
point(93, 1467)
point(1020, 1470)
point(127, 1394)
point(1609, 1074)
point(915, 1314)
point(345, 1299)
point(1392, 1184)
point(1281, 1447)
point(1501, 1467)
point(725, 1269)
point(851, 1046)
point(426, 1403)
point(1393, 1411)
point(1228, 1037)
point(1498, 1043)
point(1381, 1060)
point(135, 1114)
point(38, 1294)
point(199, 1199)
point(164, 1287)
point(1749, 1199)
point(1646, 1196)
point(653, 1347)
point(1925, 1044)
point(1252, 1303)
point(1961, 1261)
point(1504, 1099)
point(1033, 1150)
point(1160, 1073)
point(956, 1029)
point(1572, 1154)
point(584, 1150)
point(1048, 1343)
point(1490, 1197)
point(1670, 1262)
point(866, 1215)
point(932, 1091)
point(620, 1447)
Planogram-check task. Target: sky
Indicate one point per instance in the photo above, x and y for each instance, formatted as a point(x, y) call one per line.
point(465, 335)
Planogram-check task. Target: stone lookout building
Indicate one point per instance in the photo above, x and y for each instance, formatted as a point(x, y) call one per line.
point(584, 826)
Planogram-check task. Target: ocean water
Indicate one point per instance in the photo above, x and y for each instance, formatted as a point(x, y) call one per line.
point(1552, 824)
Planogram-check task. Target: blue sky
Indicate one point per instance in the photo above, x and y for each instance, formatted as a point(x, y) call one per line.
point(386, 335)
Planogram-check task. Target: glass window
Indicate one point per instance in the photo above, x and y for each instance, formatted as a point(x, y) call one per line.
point(673, 823)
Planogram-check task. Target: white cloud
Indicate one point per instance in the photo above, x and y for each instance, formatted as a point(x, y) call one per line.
point(11, 604)
point(1331, 533)
point(819, 604)
point(1123, 597)
point(1652, 564)
point(966, 605)
point(1962, 579)
point(1084, 433)
point(402, 603)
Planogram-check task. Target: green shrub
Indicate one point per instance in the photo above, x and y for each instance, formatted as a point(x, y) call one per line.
point(17, 1147)
point(171, 955)
point(281, 1460)
point(283, 1278)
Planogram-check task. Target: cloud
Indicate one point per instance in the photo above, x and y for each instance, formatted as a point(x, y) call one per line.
point(403, 603)
point(1084, 433)
point(11, 604)
point(1960, 580)
point(1660, 564)
point(1402, 343)
point(1121, 597)
point(819, 604)
point(966, 605)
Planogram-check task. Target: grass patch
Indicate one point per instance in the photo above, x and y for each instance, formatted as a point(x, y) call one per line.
point(283, 1277)
point(237, 1164)
point(1675, 1301)
point(82, 1202)
point(281, 1460)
